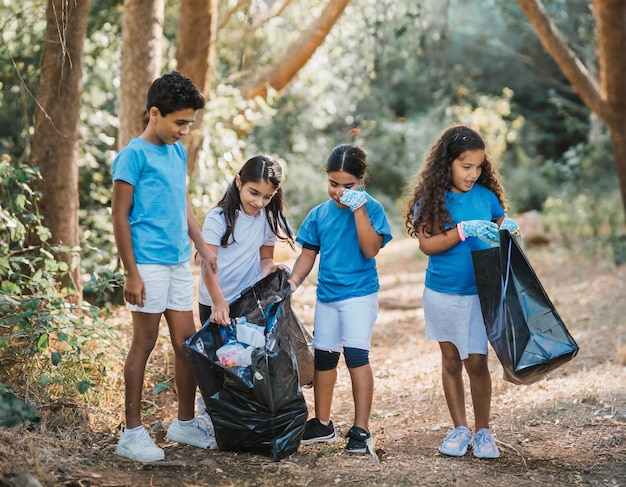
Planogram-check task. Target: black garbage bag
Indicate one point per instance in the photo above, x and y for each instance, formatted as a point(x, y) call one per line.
point(258, 408)
point(523, 326)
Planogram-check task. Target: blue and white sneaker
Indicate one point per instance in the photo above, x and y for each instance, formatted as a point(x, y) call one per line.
point(484, 444)
point(456, 442)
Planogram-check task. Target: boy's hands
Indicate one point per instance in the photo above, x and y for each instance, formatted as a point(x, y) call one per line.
point(482, 229)
point(134, 290)
point(510, 225)
point(353, 199)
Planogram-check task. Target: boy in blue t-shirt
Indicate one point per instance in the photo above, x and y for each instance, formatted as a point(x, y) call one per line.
point(152, 223)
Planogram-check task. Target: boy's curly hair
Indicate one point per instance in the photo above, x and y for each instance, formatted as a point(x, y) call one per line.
point(425, 205)
point(173, 92)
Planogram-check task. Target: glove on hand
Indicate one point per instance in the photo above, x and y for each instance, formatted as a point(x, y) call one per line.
point(483, 229)
point(353, 199)
point(510, 225)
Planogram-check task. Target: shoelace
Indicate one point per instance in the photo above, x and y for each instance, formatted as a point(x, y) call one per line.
point(481, 441)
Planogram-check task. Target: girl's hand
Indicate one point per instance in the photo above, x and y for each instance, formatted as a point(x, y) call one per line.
point(510, 225)
point(353, 199)
point(221, 314)
point(482, 229)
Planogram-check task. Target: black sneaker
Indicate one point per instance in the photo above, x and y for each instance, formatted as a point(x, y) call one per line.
point(316, 432)
point(357, 442)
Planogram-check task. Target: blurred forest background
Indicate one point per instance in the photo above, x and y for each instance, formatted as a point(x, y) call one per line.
point(289, 78)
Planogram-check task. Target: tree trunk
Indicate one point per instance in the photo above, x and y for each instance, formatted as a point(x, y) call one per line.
point(282, 73)
point(610, 18)
point(56, 137)
point(142, 53)
point(606, 99)
point(195, 58)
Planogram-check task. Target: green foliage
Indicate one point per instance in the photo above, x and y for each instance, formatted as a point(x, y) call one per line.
point(48, 346)
point(13, 410)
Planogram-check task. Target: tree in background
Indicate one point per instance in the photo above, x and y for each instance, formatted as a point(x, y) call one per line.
point(606, 95)
point(142, 52)
point(55, 145)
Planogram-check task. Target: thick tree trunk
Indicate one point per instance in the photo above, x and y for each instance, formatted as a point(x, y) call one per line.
point(55, 142)
point(195, 58)
point(142, 53)
point(282, 73)
point(610, 18)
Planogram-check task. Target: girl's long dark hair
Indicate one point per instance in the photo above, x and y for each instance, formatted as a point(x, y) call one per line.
point(425, 206)
point(256, 169)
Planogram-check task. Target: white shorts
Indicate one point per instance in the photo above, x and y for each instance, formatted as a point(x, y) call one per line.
point(167, 287)
point(348, 323)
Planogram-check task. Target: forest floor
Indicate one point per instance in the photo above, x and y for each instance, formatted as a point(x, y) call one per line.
point(567, 429)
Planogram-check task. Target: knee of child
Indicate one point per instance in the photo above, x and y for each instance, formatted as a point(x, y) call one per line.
point(356, 357)
point(326, 360)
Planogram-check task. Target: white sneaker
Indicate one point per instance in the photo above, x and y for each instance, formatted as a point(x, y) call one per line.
point(140, 448)
point(195, 433)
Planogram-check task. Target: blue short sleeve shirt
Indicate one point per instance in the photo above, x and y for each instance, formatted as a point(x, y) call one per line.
point(158, 213)
point(344, 272)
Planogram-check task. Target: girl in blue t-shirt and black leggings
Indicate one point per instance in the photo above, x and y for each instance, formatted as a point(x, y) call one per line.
point(347, 231)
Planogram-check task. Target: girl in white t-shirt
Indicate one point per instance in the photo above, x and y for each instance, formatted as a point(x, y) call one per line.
point(242, 230)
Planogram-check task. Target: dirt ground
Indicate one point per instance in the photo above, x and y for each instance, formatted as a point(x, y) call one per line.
point(568, 429)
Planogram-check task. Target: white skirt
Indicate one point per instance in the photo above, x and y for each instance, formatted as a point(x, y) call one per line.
point(457, 319)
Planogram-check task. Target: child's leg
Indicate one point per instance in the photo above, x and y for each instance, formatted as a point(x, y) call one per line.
point(480, 386)
point(323, 388)
point(363, 394)
point(145, 332)
point(452, 379)
point(181, 326)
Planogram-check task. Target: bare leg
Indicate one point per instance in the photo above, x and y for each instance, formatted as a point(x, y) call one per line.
point(145, 332)
point(480, 386)
point(452, 379)
point(323, 388)
point(363, 394)
point(181, 326)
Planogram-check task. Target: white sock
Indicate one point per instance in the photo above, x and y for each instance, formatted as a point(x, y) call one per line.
point(130, 433)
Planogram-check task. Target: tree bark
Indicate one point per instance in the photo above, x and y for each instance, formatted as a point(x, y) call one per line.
point(283, 72)
point(142, 53)
point(195, 58)
point(56, 137)
point(606, 98)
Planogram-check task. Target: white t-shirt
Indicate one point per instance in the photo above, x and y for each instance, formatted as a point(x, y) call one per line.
point(238, 264)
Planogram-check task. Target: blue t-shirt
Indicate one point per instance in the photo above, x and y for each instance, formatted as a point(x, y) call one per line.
point(158, 213)
point(344, 272)
point(452, 271)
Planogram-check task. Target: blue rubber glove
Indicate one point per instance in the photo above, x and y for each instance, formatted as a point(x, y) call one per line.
point(353, 199)
point(510, 225)
point(482, 229)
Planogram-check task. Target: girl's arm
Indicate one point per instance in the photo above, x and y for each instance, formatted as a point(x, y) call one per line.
point(370, 241)
point(302, 267)
point(134, 290)
point(220, 311)
point(267, 260)
point(437, 243)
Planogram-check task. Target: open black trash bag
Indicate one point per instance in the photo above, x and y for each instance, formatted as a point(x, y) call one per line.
point(523, 326)
point(259, 408)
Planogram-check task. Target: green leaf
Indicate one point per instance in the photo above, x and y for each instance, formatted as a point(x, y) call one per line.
point(42, 343)
point(83, 386)
point(44, 379)
point(56, 358)
point(160, 387)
